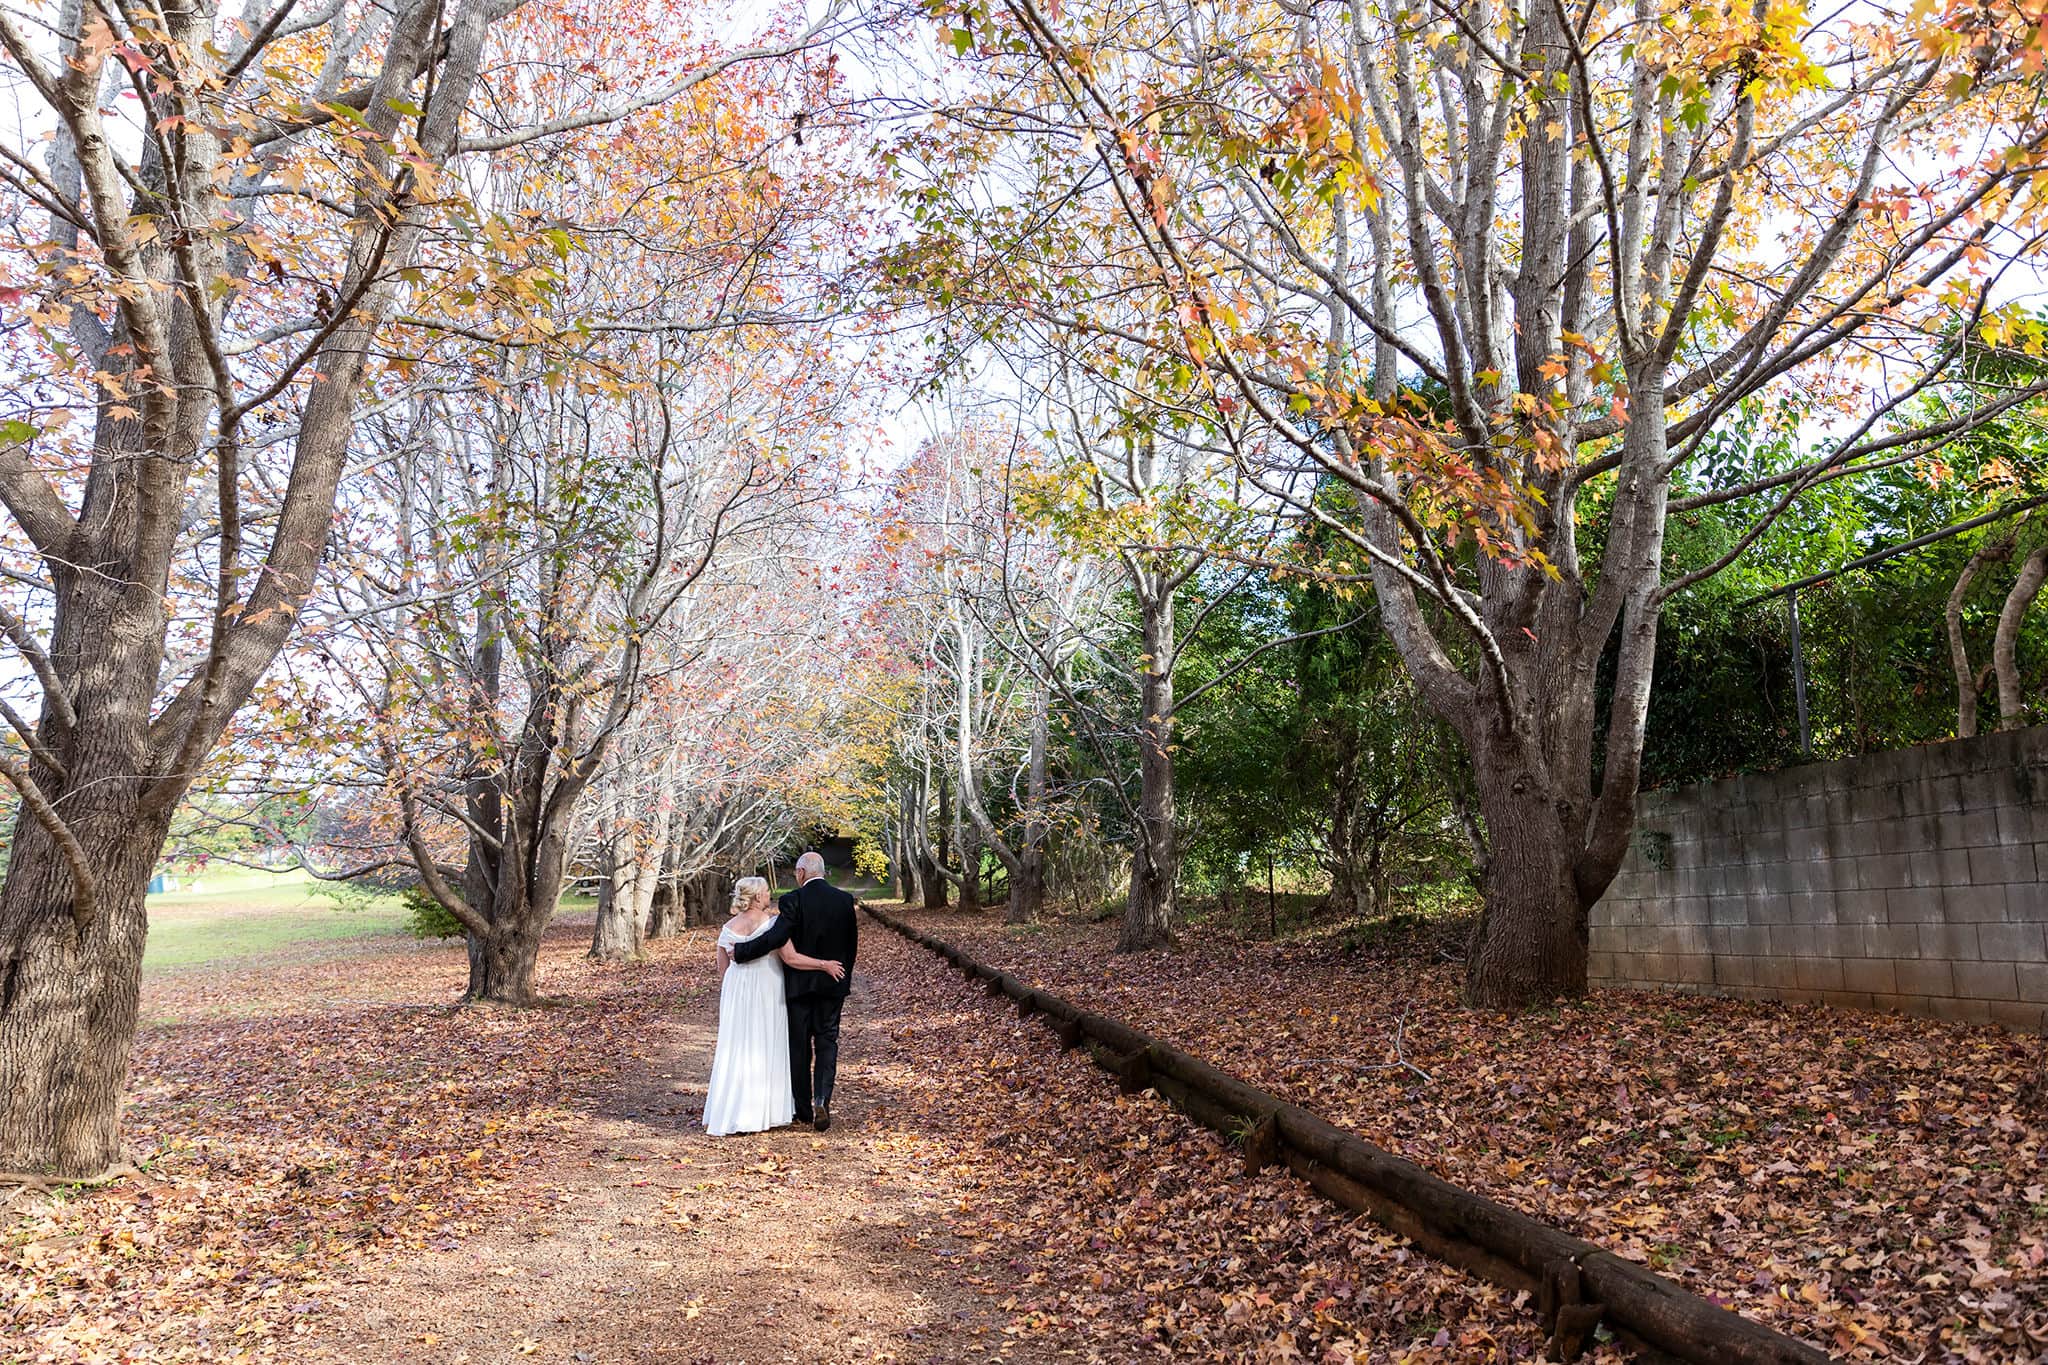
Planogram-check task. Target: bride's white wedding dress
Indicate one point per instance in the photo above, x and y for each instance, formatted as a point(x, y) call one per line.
point(750, 1070)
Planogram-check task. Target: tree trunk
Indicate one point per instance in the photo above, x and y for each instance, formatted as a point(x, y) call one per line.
point(944, 855)
point(2012, 704)
point(71, 960)
point(924, 868)
point(665, 908)
point(607, 875)
point(665, 905)
point(1351, 890)
point(970, 871)
point(899, 867)
point(664, 919)
point(501, 966)
point(114, 752)
point(645, 887)
point(1027, 878)
point(1530, 945)
point(68, 1002)
point(617, 934)
point(909, 838)
point(706, 897)
point(1027, 886)
point(515, 900)
point(1958, 643)
point(935, 890)
point(1023, 866)
point(972, 830)
point(1351, 882)
point(501, 962)
point(1553, 840)
point(1150, 912)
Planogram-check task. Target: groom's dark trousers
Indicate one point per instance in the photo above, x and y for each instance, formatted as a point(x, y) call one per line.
point(820, 921)
point(813, 1050)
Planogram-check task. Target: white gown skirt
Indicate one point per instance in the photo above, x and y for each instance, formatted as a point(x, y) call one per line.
point(749, 1090)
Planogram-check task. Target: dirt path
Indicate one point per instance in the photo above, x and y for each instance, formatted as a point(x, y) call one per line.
point(660, 1244)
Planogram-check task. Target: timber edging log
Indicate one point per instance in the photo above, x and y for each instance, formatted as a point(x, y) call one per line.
point(1575, 1284)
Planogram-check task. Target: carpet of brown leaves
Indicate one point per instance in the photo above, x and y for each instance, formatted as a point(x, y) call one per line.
point(291, 1120)
point(1873, 1184)
point(336, 1169)
point(1111, 1227)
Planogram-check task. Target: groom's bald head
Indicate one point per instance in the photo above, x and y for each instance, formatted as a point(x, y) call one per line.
point(809, 866)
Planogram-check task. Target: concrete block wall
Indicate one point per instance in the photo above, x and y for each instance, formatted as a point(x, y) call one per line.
point(1913, 880)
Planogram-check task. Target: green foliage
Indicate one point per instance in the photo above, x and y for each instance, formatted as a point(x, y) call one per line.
point(1874, 640)
point(1318, 756)
point(426, 917)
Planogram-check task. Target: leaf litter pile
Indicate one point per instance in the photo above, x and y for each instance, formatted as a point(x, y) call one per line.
point(309, 1129)
point(1871, 1183)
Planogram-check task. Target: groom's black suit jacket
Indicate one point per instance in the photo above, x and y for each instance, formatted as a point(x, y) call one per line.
point(821, 921)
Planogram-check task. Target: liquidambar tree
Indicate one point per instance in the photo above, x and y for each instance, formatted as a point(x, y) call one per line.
point(179, 326)
point(1499, 273)
point(971, 587)
point(561, 523)
point(227, 212)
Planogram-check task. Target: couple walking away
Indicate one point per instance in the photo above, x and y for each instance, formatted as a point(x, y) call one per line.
point(784, 978)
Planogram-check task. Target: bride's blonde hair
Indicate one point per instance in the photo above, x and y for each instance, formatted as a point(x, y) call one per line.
point(743, 892)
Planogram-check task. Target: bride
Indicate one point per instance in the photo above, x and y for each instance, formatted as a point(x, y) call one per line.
point(750, 1072)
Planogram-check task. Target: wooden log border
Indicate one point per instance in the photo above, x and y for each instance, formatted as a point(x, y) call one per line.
point(1574, 1284)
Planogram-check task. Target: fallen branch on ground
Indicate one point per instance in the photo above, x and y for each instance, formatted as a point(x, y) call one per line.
point(1400, 1062)
point(27, 1182)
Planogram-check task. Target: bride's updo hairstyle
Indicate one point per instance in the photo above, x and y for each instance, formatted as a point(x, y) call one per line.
point(743, 892)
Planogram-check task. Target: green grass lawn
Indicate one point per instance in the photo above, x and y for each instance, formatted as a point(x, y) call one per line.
point(247, 913)
point(224, 880)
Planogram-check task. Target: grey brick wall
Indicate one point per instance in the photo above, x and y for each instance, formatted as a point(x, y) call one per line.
point(1910, 880)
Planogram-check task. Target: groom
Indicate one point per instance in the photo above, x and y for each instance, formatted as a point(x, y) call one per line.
point(819, 919)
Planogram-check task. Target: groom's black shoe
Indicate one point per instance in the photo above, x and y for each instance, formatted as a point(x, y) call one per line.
point(824, 1119)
